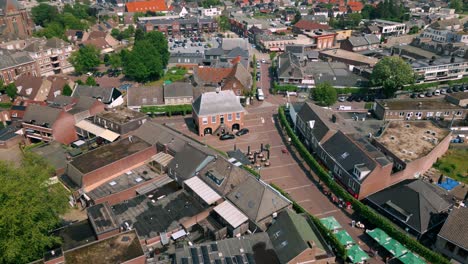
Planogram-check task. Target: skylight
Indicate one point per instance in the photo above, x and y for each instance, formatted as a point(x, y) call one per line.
point(112, 183)
point(344, 155)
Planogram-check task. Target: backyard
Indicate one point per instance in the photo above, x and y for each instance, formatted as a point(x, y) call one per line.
point(454, 165)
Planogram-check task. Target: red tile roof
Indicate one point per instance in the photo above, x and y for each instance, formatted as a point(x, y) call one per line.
point(155, 6)
point(212, 75)
point(355, 6)
point(310, 25)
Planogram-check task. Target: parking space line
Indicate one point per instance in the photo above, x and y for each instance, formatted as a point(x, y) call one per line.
point(280, 166)
point(278, 178)
point(327, 212)
point(299, 187)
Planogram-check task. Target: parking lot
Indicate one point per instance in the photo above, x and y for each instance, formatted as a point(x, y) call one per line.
point(192, 44)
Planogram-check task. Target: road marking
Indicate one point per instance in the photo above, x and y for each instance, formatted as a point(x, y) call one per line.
point(300, 187)
point(277, 178)
point(279, 166)
point(328, 212)
point(303, 201)
point(272, 120)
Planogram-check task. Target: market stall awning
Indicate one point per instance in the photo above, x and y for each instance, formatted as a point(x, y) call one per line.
point(330, 223)
point(344, 238)
point(411, 258)
point(356, 254)
point(395, 248)
point(231, 214)
point(202, 190)
point(379, 235)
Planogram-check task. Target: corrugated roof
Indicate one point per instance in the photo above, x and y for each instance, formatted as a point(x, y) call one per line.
point(231, 214)
point(202, 190)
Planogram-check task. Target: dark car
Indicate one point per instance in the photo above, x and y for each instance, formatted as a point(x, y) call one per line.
point(358, 99)
point(413, 95)
point(227, 137)
point(449, 90)
point(350, 98)
point(456, 88)
point(428, 94)
point(242, 132)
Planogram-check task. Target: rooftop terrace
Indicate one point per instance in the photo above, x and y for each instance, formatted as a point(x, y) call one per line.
point(108, 154)
point(121, 115)
point(411, 140)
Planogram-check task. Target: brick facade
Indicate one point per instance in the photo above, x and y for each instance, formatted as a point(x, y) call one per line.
point(205, 123)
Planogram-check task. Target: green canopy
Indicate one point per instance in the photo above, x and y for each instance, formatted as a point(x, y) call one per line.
point(344, 238)
point(167, 82)
point(330, 223)
point(356, 254)
point(379, 235)
point(395, 247)
point(411, 258)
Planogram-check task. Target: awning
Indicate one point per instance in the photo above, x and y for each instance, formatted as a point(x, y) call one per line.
point(356, 254)
point(97, 130)
point(274, 49)
point(395, 248)
point(379, 235)
point(79, 143)
point(231, 214)
point(344, 238)
point(330, 223)
point(162, 158)
point(411, 258)
point(178, 234)
point(202, 190)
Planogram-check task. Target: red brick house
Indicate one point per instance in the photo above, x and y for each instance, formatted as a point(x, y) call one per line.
point(217, 111)
point(236, 79)
point(46, 123)
point(14, 64)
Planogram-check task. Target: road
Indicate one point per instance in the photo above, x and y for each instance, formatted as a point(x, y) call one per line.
point(287, 170)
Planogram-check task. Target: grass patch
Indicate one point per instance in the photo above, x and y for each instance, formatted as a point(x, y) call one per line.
point(175, 74)
point(6, 105)
point(454, 165)
point(33, 145)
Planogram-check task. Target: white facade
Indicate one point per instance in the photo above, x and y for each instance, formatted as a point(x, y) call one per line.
point(454, 70)
point(211, 12)
point(445, 36)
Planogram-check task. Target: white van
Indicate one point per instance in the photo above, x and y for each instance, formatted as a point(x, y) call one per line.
point(260, 95)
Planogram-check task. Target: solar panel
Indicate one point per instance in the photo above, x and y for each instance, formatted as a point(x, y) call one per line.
point(194, 254)
point(250, 258)
point(240, 259)
point(206, 256)
point(184, 260)
point(214, 247)
point(228, 260)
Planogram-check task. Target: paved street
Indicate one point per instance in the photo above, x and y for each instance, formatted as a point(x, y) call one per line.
point(286, 171)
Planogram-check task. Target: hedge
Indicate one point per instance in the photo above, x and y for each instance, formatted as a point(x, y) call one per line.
point(6, 105)
point(252, 171)
point(424, 86)
point(339, 249)
point(367, 213)
point(284, 88)
point(168, 109)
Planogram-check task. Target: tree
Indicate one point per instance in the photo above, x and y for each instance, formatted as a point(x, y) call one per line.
point(272, 55)
point(392, 73)
point(139, 34)
point(11, 90)
point(85, 59)
point(44, 14)
point(354, 19)
point(414, 30)
point(223, 23)
point(115, 61)
point(457, 5)
point(324, 94)
point(30, 209)
point(91, 81)
point(67, 90)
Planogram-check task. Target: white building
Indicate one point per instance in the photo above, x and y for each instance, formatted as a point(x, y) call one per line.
point(390, 28)
point(211, 12)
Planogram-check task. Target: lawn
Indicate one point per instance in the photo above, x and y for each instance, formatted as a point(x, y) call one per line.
point(175, 74)
point(454, 165)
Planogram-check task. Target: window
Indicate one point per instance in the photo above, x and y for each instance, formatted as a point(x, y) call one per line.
point(447, 113)
point(205, 120)
point(238, 115)
point(402, 113)
point(229, 117)
point(213, 120)
point(458, 113)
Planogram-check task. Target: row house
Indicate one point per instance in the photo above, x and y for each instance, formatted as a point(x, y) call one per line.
point(15, 64)
point(51, 55)
point(440, 68)
point(176, 27)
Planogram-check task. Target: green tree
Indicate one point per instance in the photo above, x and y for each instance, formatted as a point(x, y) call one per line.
point(116, 33)
point(30, 208)
point(11, 90)
point(91, 81)
point(414, 30)
point(53, 29)
point(392, 73)
point(272, 55)
point(85, 59)
point(223, 23)
point(354, 19)
point(115, 61)
point(44, 14)
point(67, 90)
point(139, 34)
point(324, 94)
point(457, 5)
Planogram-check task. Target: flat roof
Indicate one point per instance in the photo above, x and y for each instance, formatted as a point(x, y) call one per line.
point(149, 216)
point(108, 154)
point(410, 140)
point(202, 190)
point(231, 214)
point(123, 182)
point(102, 218)
point(121, 115)
point(459, 96)
point(344, 54)
point(417, 104)
point(76, 234)
point(117, 249)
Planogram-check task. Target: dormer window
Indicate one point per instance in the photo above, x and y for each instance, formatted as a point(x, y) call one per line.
point(361, 171)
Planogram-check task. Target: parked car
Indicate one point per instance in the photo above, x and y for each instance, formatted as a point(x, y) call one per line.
point(428, 94)
point(456, 88)
point(350, 98)
point(449, 90)
point(227, 137)
point(341, 98)
point(242, 132)
point(263, 61)
point(443, 91)
point(436, 92)
point(458, 139)
point(421, 95)
point(413, 95)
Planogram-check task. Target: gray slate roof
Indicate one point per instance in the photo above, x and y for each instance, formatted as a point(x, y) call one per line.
point(41, 114)
point(213, 103)
point(104, 93)
point(424, 202)
point(187, 162)
point(10, 59)
point(368, 39)
point(144, 95)
point(455, 228)
point(178, 89)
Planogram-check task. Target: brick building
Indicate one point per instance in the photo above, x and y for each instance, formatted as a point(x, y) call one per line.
point(45, 123)
point(14, 64)
point(208, 79)
point(51, 55)
point(145, 6)
point(15, 21)
point(217, 111)
point(180, 26)
point(120, 120)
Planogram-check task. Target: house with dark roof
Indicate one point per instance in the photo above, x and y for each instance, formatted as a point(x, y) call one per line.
point(297, 240)
point(16, 63)
point(139, 96)
point(45, 123)
point(214, 112)
point(361, 43)
point(415, 205)
point(110, 96)
point(9, 137)
point(452, 241)
point(178, 93)
point(187, 162)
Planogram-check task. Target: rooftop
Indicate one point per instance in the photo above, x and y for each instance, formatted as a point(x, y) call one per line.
point(217, 103)
point(117, 249)
point(417, 104)
point(102, 218)
point(410, 140)
point(459, 96)
point(121, 115)
point(76, 234)
point(108, 154)
point(340, 53)
point(455, 228)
